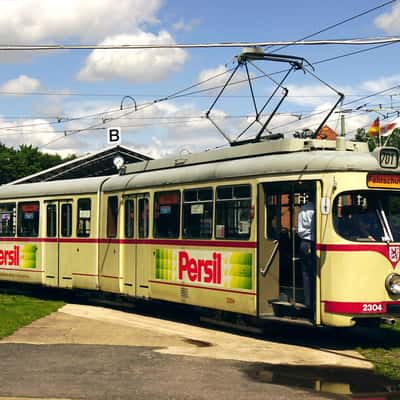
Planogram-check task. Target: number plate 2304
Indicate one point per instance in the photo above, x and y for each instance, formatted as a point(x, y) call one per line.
point(373, 308)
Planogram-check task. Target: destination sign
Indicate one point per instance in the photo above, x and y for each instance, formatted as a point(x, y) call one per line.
point(383, 181)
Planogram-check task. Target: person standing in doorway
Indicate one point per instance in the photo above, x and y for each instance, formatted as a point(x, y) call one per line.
point(306, 232)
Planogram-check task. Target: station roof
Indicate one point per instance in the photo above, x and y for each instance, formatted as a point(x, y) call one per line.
point(99, 163)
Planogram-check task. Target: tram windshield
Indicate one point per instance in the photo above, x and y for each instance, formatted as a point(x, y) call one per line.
point(368, 216)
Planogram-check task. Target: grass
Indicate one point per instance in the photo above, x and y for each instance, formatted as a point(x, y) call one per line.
point(384, 352)
point(18, 310)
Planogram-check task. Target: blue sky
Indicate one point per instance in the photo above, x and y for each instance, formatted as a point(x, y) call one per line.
point(63, 101)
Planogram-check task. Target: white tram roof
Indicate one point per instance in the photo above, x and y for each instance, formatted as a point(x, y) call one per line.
point(266, 158)
point(280, 146)
point(54, 188)
point(283, 157)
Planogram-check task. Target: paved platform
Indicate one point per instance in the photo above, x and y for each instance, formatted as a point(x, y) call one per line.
point(91, 352)
point(84, 324)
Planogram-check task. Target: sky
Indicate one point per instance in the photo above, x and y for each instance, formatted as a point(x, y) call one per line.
point(64, 101)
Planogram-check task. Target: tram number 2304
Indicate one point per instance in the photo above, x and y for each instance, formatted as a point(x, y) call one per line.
point(373, 308)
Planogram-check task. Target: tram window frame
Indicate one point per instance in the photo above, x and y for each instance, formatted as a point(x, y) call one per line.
point(51, 220)
point(167, 214)
point(356, 215)
point(28, 217)
point(112, 216)
point(144, 217)
point(129, 218)
point(66, 220)
point(232, 201)
point(197, 203)
point(84, 213)
point(7, 219)
point(275, 209)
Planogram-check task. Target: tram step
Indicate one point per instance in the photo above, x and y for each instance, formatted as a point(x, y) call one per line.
point(297, 320)
point(289, 304)
point(287, 309)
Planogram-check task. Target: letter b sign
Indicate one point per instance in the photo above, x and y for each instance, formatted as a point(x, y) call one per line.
point(113, 135)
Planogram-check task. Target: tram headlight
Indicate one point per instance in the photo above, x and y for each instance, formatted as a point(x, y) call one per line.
point(392, 284)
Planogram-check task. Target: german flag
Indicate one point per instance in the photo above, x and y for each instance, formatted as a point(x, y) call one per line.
point(373, 130)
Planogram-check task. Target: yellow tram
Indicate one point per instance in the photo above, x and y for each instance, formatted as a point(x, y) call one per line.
point(219, 230)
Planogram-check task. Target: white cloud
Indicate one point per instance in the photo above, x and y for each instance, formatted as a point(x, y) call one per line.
point(380, 84)
point(217, 77)
point(390, 22)
point(136, 65)
point(181, 25)
point(30, 21)
point(214, 76)
point(309, 95)
point(21, 85)
point(52, 106)
point(37, 132)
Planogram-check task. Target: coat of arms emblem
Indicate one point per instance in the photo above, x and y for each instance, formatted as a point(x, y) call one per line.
point(394, 253)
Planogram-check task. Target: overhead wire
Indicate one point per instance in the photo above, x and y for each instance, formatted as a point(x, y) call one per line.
point(183, 93)
point(335, 25)
point(53, 47)
point(175, 95)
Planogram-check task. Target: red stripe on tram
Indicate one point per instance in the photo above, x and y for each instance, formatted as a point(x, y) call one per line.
point(157, 242)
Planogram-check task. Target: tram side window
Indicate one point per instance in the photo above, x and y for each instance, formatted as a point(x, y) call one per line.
point(143, 218)
point(197, 213)
point(51, 220)
point(84, 214)
point(167, 214)
point(7, 219)
point(112, 216)
point(357, 215)
point(66, 220)
point(129, 218)
point(28, 219)
point(232, 215)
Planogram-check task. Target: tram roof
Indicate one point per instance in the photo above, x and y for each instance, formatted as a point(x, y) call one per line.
point(278, 163)
point(268, 147)
point(295, 156)
point(54, 188)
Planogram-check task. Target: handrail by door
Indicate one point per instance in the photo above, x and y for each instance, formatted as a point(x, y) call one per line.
point(268, 264)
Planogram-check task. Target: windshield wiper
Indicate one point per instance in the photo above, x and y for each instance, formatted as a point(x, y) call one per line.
point(388, 237)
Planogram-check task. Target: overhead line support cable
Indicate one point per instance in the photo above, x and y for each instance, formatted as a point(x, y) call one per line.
point(338, 24)
point(354, 42)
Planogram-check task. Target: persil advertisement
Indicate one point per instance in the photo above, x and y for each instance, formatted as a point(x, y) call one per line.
point(18, 256)
point(225, 269)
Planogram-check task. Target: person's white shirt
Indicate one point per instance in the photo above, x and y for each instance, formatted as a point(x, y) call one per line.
point(305, 221)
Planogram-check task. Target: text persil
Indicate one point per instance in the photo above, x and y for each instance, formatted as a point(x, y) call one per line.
point(10, 257)
point(200, 270)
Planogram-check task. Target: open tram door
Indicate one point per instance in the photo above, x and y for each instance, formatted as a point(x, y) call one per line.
point(283, 288)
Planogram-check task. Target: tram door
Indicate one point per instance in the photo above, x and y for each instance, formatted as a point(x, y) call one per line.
point(135, 262)
point(281, 288)
point(268, 260)
point(56, 260)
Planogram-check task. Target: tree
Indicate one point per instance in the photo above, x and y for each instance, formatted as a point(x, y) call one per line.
point(27, 160)
point(392, 140)
point(7, 164)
